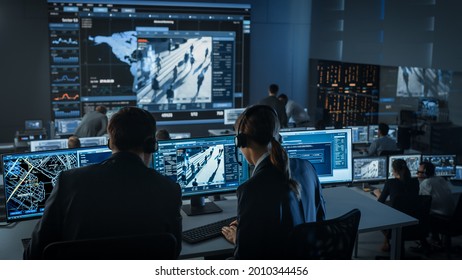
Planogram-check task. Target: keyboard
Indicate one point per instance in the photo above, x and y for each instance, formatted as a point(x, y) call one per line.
point(206, 232)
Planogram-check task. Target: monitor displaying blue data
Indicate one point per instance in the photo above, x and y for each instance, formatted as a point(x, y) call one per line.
point(412, 162)
point(374, 130)
point(29, 178)
point(369, 169)
point(66, 126)
point(94, 155)
point(445, 165)
point(359, 134)
point(330, 151)
point(202, 166)
point(458, 176)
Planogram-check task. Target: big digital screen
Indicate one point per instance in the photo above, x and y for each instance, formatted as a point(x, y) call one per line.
point(330, 151)
point(184, 62)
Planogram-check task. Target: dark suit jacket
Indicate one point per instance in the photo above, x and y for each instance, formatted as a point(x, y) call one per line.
point(277, 105)
point(118, 197)
point(263, 214)
point(93, 124)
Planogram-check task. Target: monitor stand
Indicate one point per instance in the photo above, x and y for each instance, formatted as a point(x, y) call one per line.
point(198, 206)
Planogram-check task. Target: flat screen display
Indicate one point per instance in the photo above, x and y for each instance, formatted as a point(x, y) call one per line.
point(185, 62)
point(330, 151)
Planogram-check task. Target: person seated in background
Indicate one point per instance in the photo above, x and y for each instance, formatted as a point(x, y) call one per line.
point(93, 123)
point(121, 188)
point(401, 184)
point(73, 142)
point(264, 216)
point(383, 143)
point(443, 203)
point(295, 111)
point(162, 134)
point(272, 101)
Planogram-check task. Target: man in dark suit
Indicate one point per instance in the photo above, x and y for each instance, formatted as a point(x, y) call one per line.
point(93, 123)
point(120, 196)
point(272, 101)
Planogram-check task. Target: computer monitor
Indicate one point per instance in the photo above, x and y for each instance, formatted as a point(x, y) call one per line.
point(47, 145)
point(330, 151)
point(93, 155)
point(458, 176)
point(93, 141)
point(445, 165)
point(29, 178)
point(231, 115)
point(412, 162)
point(374, 129)
point(369, 169)
point(201, 166)
point(180, 135)
point(66, 126)
point(360, 134)
point(33, 125)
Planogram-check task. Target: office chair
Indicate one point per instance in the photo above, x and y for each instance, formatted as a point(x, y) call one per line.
point(417, 206)
point(448, 227)
point(161, 246)
point(325, 240)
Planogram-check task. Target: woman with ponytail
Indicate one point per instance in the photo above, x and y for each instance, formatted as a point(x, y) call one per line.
point(264, 215)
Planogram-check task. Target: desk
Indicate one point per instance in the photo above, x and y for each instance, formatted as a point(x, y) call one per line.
point(374, 216)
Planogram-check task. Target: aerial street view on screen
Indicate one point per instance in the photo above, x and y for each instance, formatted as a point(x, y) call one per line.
point(29, 180)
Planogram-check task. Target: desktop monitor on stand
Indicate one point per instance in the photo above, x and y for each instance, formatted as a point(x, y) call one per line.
point(202, 167)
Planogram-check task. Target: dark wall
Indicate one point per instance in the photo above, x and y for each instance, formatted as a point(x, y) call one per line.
point(279, 54)
point(391, 33)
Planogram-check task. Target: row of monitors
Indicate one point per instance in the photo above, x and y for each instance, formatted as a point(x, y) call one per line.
point(201, 166)
point(56, 144)
point(367, 169)
point(368, 133)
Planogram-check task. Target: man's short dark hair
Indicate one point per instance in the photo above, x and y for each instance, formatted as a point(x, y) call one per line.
point(101, 109)
point(429, 168)
point(130, 127)
point(273, 89)
point(383, 128)
point(283, 97)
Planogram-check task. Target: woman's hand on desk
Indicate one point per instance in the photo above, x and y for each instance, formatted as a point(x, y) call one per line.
point(229, 232)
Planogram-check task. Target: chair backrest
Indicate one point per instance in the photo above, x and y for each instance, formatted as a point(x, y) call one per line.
point(161, 246)
point(417, 206)
point(325, 240)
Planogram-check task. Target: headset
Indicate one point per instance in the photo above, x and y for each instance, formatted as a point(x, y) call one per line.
point(241, 139)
